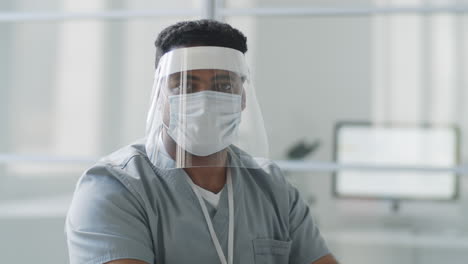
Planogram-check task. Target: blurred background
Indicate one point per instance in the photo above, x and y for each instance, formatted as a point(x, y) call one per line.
point(374, 91)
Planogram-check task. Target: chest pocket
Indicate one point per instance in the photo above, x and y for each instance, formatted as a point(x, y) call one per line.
point(269, 251)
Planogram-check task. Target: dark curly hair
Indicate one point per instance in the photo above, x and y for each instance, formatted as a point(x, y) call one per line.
point(204, 32)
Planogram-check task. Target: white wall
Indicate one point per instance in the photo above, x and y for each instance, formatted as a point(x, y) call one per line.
point(309, 73)
point(313, 72)
point(71, 88)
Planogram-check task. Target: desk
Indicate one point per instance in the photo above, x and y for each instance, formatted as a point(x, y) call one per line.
point(400, 237)
point(403, 246)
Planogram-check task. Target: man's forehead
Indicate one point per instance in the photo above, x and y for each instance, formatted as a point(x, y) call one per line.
point(205, 73)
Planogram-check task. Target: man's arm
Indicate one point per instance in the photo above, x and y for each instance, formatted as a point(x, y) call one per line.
point(327, 259)
point(106, 221)
point(127, 261)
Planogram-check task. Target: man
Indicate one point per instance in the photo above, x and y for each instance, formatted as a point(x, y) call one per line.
point(199, 188)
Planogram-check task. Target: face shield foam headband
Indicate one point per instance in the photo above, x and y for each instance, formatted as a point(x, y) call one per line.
point(204, 57)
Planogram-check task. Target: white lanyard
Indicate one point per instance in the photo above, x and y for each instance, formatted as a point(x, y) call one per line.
point(216, 243)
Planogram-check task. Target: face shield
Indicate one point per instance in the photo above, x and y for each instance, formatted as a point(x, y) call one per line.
point(204, 112)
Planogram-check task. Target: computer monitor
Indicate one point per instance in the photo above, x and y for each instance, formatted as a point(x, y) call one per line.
point(426, 146)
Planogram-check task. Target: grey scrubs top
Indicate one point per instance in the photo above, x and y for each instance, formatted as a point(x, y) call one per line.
point(125, 207)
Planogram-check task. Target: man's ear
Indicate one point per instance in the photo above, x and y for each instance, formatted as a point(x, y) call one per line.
point(243, 99)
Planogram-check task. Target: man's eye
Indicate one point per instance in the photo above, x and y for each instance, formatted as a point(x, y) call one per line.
point(225, 87)
point(174, 87)
point(182, 89)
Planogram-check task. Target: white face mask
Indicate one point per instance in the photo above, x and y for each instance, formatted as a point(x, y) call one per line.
point(204, 122)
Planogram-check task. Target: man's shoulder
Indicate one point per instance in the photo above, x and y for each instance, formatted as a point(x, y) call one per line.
point(128, 165)
point(256, 165)
point(269, 176)
point(270, 167)
point(121, 157)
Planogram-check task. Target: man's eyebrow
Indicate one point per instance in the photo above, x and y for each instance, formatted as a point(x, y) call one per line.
point(192, 77)
point(178, 77)
point(227, 77)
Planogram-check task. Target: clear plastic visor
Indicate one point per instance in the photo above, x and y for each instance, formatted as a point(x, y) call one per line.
point(204, 112)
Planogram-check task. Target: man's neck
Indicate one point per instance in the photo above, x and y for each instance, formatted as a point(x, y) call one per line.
point(212, 179)
point(207, 172)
